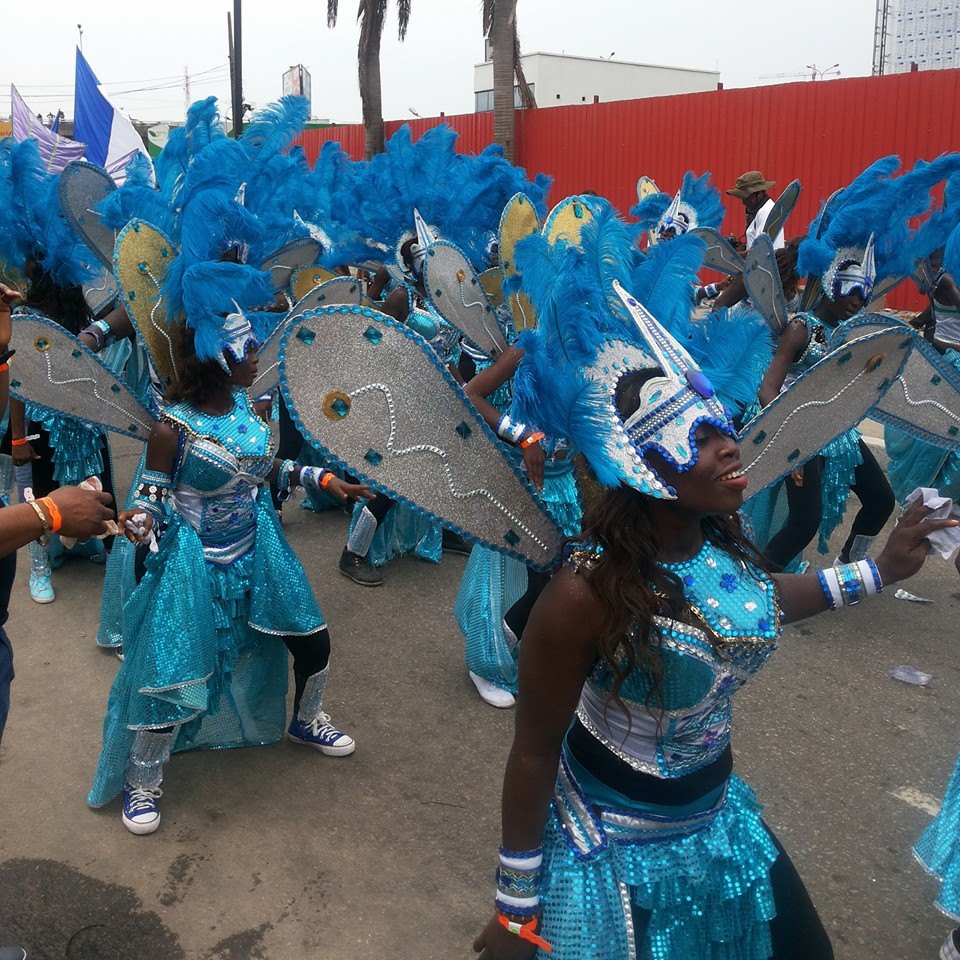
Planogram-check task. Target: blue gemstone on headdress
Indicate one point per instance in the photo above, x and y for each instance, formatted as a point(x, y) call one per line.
point(699, 383)
point(511, 537)
point(373, 335)
point(729, 582)
point(764, 625)
point(373, 457)
point(306, 335)
point(688, 580)
point(142, 266)
point(464, 429)
point(340, 407)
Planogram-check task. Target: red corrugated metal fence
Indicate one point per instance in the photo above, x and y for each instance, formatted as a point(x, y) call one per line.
point(821, 133)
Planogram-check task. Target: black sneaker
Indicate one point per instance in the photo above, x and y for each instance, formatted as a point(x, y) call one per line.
point(359, 569)
point(454, 543)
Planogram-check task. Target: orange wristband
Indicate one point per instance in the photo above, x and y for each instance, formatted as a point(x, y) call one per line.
point(532, 439)
point(56, 519)
point(22, 442)
point(525, 931)
point(4, 367)
point(326, 479)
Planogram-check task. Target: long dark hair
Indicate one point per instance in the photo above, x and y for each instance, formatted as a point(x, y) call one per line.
point(65, 305)
point(626, 575)
point(200, 381)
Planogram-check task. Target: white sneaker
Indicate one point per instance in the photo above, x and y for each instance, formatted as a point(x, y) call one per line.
point(491, 693)
point(141, 815)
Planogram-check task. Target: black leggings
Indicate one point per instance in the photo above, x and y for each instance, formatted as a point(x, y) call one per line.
point(517, 616)
point(805, 505)
point(796, 931)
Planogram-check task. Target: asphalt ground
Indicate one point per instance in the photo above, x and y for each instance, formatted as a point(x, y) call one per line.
point(280, 853)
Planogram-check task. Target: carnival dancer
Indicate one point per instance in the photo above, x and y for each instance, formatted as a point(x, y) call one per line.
point(402, 199)
point(493, 584)
point(224, 594)
point(861, 237)
point(48, 448)
point(644, 844)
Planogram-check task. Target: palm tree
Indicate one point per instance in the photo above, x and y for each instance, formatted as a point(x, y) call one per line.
point(371, 15)
point(500, 26)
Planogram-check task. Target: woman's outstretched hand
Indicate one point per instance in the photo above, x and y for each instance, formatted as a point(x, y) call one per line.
point(908, 546)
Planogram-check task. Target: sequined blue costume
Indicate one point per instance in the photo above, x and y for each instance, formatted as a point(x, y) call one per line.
point(916, 463)
point(493, 582)
point(202, 631)
point(699, 874)
point(938, 849)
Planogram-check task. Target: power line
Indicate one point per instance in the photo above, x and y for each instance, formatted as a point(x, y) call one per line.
point(115, 83)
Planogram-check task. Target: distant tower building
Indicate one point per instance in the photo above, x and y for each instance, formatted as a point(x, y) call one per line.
point(296, 81)
point(921, 32)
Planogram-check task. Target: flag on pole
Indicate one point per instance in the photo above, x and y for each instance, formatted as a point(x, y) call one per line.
point(56, 151)
point(111, 138)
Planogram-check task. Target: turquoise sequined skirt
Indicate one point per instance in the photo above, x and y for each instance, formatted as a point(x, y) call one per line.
point(404, 530)
point(203, 647)
point(916, 463)
point(707, 893)
point(492, 583)
point(938, 849)
point(76, 447)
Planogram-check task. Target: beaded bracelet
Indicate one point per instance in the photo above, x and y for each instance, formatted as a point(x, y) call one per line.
point(510, 431)
point(317, 478)
point(152, 493)
point(518, 882)
point(846, 584)
point(284, 475)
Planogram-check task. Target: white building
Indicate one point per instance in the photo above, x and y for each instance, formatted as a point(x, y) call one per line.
point(558, 80)
point(921, 32)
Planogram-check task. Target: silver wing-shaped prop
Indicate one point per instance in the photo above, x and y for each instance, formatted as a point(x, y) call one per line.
point(455, 290)
point(291, 257)
point(101, 292)
point(720, 254)
point(812, 288)
point(141, 257)
point(761, 277)
point(80, 187)
point(339, 290)
point(782, 209)
point(924, 398)
point(54, 370)
point(834, 395)
point(373, 397)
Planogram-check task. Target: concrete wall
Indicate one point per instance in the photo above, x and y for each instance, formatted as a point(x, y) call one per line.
point(562, 81)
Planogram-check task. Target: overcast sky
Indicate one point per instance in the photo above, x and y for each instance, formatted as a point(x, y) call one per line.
point(131, 47)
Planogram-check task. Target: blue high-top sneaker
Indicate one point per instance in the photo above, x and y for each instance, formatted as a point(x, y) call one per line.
point(312, 727)
point(141, 813)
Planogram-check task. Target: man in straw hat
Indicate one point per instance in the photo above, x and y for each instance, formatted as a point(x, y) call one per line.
point(751, 188)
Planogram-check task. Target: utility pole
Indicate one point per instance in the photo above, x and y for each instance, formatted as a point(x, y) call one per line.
point(237, 68)
point(186, 91)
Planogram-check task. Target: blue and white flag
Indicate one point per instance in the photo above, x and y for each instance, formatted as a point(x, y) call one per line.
point(111, 138)
point(56, 151)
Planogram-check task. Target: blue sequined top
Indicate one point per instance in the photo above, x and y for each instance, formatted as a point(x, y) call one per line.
point(703, 666)
point(222, 463)
point(816, 349)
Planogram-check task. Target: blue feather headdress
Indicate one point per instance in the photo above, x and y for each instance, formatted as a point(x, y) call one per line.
point(696, 204)
point(592, 334)
point(31, 227)
point(871, 220)
point(460, 196)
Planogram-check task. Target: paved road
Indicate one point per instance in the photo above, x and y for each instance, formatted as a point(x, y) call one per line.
point(279, 853)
